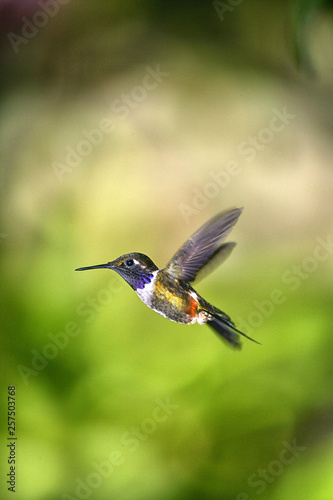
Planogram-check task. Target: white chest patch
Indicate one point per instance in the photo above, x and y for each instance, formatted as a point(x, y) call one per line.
point(145, 293)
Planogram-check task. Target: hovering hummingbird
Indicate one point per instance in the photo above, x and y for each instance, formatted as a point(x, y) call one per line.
point(168, 291)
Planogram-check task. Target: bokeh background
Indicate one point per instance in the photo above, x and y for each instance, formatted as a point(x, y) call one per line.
point(124, 127)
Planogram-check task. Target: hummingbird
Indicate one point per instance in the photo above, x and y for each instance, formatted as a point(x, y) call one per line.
point(169, 292)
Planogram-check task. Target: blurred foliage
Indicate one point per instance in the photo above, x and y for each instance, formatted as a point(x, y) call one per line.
point(114, 401)
point(313, 22)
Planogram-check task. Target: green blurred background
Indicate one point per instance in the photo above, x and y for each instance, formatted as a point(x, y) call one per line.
point(124, 127)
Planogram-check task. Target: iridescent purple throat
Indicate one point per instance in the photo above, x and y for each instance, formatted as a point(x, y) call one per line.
point(142, 280)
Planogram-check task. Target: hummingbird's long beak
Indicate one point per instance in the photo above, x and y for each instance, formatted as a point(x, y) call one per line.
point(100, 266)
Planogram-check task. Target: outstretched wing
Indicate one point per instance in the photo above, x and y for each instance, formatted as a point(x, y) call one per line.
point(204, 247)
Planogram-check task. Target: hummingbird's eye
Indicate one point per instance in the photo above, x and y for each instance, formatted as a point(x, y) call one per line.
point(129, 262)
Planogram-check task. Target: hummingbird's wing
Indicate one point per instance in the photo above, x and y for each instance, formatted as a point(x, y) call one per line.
point(221, 254)
point(204, 247)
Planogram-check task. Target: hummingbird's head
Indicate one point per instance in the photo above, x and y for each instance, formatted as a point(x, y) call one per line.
point(136, 269)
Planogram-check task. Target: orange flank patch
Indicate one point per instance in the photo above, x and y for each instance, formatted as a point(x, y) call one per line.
point(192, 308)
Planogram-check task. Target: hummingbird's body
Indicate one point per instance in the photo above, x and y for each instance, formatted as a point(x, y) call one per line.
point(168, 291)
point(174, 299)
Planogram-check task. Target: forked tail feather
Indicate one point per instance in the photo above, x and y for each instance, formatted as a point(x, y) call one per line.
point(227, 330)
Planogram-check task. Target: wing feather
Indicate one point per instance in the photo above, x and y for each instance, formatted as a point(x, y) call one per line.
point(204, 246)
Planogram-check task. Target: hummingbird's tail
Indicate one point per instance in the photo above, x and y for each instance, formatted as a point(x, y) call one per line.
point(224, 327)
